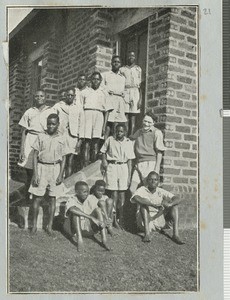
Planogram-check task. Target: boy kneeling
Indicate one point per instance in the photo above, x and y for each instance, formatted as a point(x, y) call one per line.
point(85, 218)
point(156, 206)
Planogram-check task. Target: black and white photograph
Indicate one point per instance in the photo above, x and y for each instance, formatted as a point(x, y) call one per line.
point(103, 149)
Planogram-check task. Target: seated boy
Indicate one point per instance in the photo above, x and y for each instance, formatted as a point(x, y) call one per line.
point(49, 163)
point(156, 206)
point(97, 198)
point(84, 217)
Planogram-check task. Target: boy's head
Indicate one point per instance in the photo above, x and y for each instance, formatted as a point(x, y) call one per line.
point(52, 123)
point(99, 188)
point(152, 180)
point(96, 79)
point(81, 81)
point(81, 190)
point(131, 57)
point(62, 95)
point(116, 63)
point(40, 98)
point(70, 95)
point(120, 131)
point(148, 121)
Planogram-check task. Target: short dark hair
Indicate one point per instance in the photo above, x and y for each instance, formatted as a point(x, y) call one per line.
point(40, 90)
point(80, 183)
point(81, 75)
point(121, 125)
point(100, 183)
point(71, 89)
point(151, 115)
point(53, 116)
point(96, 73)
point(115, 56)
point(153, 173)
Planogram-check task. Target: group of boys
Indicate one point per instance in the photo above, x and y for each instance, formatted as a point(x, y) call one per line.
point(53, 136)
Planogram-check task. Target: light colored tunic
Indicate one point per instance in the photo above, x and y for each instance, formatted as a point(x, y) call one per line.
point(51, 149)
point(132, 85)
point(155, 198)
point(80, 94)
point(115, 82)
point(116, 176)
point(35, 121)
point(71, 123)
point(95, 103)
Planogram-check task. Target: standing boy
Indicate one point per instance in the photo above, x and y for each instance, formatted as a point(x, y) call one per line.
point(84, 217)
point(33, 122)
point(49, 163)
point(149, 148)
point(71, 126)
point(132, 73)
point(156, 206)
point(81, 88)
point(114, 83)
point(96, 107)
point(117, 153)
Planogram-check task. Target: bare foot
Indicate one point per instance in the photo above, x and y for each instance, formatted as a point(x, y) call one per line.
point(146, 239)
point(50, 233)
point(80, 246)
point(110, 230)
point(106, 246)
point(177, 240)
point(33, 230)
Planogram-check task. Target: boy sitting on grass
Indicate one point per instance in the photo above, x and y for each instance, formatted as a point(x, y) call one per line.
point(84, 217)
point(156, 207)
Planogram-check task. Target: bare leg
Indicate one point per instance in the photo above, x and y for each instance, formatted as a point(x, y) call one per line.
point(35, 210)
point(98, 214)
point(86, 153)
point(114, 196)
point(70, 165)
point(76, 230)
point(107, 209)
point(121, 203)
point(145, 216)
point(107, 132)
point(175, 218)
point(132, 125)
point(29, 175)
point(95, 150)
point(127, 123)
point(52, 207)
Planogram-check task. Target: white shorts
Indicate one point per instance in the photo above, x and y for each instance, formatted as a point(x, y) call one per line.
point(144, 167)
point(118, 113)
point(116, 177)
point(29, 151)
point(47, 175)
point(94, 121)
point(132, 97)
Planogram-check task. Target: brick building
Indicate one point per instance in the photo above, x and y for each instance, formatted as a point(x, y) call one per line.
point(50, 47)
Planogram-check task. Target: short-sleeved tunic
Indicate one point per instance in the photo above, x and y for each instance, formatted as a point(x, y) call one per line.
point(155, 198)
point(132, 84)
point(117, 153)
point(35, 121)
point(115, 83)
point(95, 103)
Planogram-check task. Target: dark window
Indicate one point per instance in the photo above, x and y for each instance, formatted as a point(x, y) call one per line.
point(37, 71)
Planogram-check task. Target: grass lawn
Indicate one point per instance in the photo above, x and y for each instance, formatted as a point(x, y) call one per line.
point(41, 264)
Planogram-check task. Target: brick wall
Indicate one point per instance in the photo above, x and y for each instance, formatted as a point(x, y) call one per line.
point(17, 75)
point(81, 41)
point(172, 95)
